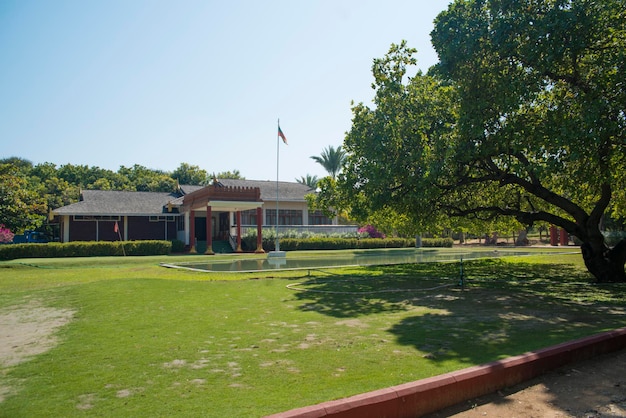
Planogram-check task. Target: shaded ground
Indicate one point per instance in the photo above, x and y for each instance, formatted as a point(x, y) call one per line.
point(591, 389)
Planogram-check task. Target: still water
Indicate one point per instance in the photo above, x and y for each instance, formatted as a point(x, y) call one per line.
point(358, 258)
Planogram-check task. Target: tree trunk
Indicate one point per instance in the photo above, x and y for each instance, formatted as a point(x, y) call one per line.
point(606, 264)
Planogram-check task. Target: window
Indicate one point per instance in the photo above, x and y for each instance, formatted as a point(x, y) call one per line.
point(318, 218)
point(248, 217)
point(96, 218)
point(168, 218)
point(286, 217)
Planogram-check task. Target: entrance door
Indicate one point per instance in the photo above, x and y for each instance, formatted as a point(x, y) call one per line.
point(200, 226)
point(224, 226)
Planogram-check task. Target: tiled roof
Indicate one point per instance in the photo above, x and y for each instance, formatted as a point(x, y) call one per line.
point(110, 202)
point(287, 191)
point(188, 188)
point(119, 203)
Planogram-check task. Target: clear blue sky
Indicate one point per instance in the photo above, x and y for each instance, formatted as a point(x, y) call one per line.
point(158, 83)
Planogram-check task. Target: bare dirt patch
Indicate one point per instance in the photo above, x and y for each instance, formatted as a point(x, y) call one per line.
point(27, 330)
point(591, 389)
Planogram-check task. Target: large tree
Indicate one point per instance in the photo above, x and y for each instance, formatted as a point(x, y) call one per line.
point(21, 207)
point(540, 133)
point(191, 174)
point(144, 179)
point(233, 175)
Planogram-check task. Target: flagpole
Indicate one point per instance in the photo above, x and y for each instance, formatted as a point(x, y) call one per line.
point(277, 245)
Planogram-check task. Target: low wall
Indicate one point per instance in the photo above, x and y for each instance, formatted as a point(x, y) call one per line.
point(432, 394)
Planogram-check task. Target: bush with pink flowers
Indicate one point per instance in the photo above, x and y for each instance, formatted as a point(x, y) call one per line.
point(370, 231)
point(5, 234)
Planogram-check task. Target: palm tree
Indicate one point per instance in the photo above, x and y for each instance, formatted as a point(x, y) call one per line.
point(309, 180)
point(331, 159)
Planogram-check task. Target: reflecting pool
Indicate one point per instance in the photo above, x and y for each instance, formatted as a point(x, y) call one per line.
point(376, 257)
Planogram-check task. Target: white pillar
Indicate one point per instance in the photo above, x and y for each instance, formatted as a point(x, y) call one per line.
point(66, 228)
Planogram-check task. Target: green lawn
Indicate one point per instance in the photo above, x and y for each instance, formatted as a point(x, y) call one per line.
point(149, 341)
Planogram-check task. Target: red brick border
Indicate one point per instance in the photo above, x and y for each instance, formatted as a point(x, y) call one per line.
point(434, 393)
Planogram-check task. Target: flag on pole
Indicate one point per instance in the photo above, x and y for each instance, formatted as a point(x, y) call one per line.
point(116, 228)
point(282, 135)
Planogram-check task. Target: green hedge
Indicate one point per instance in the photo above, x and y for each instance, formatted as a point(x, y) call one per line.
point(84, 249)
point(295, 244)
point(437, 242)
point(114, 248)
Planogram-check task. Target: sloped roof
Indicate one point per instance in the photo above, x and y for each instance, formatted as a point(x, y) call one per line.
point(287, 191)
point(118, 203)
point(189, 188)
point(124, 203)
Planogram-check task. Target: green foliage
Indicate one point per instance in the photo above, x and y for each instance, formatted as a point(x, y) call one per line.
point(178, 246)
point(541, 108)
point(150, 341)
point(614, 237)
point(85, 249)
point(292, 244)
point(295, 240)
point(148, 180)
point(28, 193)
point(395, 151)
point(437, 242)
point(327, 198)
point(6, 235)
point(523, 118)
point(331, 159)
point(235, 174)
point(336, 243)
point(21, 207)
point(191, 174)
point(309, 180)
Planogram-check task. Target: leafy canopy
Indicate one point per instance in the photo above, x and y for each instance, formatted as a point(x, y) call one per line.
point(523, 118)
point(331, 159)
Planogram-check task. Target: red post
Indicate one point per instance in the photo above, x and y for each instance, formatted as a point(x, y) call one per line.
point(209, 231)
point(564, 237)
point(554, 235)
point(192, 231)
point(238, 218)
point(259, 230)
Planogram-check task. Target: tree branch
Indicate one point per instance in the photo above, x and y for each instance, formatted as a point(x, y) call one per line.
point(527, 218)
point(533, 187)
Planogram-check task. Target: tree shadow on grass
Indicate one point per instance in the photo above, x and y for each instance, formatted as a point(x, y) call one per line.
point(503, 308)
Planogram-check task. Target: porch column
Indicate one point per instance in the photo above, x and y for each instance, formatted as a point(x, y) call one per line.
point(259, 230)
point(209, 231)
point(65, 237)
point(192, 231)
point(238, 217)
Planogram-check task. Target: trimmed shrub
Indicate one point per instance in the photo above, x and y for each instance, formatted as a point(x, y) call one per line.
point(325, 243)
point(370, 231)
point(6, 235)
point(294, 241)
point(84, 249)
point(437, 242)
point(178, 246)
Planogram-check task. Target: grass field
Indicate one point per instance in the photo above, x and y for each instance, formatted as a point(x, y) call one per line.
point(131, 338)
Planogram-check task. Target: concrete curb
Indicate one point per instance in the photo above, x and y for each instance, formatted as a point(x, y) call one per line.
point(434, 393)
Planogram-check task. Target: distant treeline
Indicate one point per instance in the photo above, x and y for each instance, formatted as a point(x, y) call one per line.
point(29, 191)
